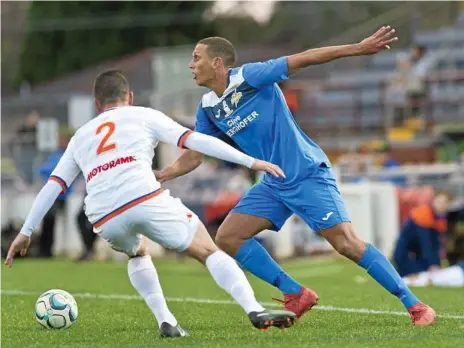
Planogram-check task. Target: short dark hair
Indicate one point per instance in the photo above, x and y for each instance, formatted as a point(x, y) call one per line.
point(220, 47)
point(110, 86)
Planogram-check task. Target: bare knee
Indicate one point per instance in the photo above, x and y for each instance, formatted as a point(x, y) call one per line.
point(142, 253)
point(202, 245)
point(201, 254)
point(225, 242)
point(142, 249)
point(237, 228)
point(345, 241)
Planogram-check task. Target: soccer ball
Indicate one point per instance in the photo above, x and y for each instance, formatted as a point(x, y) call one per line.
point(56, 309)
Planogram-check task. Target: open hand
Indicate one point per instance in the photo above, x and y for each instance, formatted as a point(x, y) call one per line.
point(21, 243)
point(378, 41)
point(270, 168)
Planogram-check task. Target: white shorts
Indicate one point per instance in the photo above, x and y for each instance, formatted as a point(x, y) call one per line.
point(162, 219)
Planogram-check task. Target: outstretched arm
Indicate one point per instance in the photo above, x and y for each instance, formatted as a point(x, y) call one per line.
point(188, 161)
point(375, 43)
point(42, 204)
point(169, 131)
point(61, 178)
point(208, 145)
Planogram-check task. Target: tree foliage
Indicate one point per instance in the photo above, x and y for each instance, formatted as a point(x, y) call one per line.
point(56, 44)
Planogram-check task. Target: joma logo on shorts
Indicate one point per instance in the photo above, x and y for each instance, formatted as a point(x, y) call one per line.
point(109, 165)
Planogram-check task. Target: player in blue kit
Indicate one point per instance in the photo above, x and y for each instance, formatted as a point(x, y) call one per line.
point(246, 107)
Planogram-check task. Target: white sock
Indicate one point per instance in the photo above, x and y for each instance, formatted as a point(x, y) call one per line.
point(230, 277)
point(143, 276)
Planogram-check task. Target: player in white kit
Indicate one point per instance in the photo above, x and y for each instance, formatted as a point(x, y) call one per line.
point(448, 277)
point(125, 203)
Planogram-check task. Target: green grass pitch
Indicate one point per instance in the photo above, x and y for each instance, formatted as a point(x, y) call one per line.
point(353, 310)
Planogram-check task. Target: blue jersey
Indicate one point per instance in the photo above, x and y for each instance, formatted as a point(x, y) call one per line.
point(253, 113)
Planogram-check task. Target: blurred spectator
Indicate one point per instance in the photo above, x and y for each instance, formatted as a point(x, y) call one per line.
point(10, 178)
point(9, 232)
point(412, 197)
point(418, 246)
point(384, 157)
point(301, 235)
point(357, 163)
point(227, 197)
point(447, 277)
point(404, 66)
point(242, 181)
point(416, 88)
point(26, 148)
point(291, 97)
point(384, 160)
point(48, 225)
point(306, 241)
point(88, 236)
point(455, 245)
point(460, 20)
point(412, 87)
point(417, 53)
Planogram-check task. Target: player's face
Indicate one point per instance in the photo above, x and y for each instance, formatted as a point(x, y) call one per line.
point(441, 203)
point(201, 65)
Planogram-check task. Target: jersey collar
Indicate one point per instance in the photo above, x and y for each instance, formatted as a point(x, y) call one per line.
point(228, 77)
point(114, 107)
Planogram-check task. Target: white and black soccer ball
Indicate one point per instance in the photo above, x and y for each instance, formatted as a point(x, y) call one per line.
point(56, 309)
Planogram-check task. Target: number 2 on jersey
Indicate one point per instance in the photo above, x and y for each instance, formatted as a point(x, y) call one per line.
point(103, 147)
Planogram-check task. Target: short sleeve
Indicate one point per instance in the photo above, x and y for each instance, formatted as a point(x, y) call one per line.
point(67, 170)
point(166, 130)
point(204, 125)
point(265, 73)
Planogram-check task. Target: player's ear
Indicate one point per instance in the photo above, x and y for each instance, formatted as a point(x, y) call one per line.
point(98, 106)
point(217, 62)
point(131, 98)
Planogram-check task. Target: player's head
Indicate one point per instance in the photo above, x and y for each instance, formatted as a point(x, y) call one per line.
point(417, 53)
point(110, 89)
point(442, 201)
point(212, 57)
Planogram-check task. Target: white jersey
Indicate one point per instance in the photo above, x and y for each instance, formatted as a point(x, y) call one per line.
point(114, 151)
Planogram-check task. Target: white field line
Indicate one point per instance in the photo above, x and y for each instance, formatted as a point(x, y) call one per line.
point(222, 302)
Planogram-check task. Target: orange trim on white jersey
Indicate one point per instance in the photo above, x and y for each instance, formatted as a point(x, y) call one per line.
point(60, 181)
point(183, 137)
point(127, 206)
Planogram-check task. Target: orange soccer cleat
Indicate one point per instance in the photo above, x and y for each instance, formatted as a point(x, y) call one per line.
point(300, 303)
point(422, 315)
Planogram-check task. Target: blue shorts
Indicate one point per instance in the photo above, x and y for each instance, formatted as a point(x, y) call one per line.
point(315, 199)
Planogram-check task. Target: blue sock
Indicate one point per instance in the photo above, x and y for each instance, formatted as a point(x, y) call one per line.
point(379, 268)
point(253, 257)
